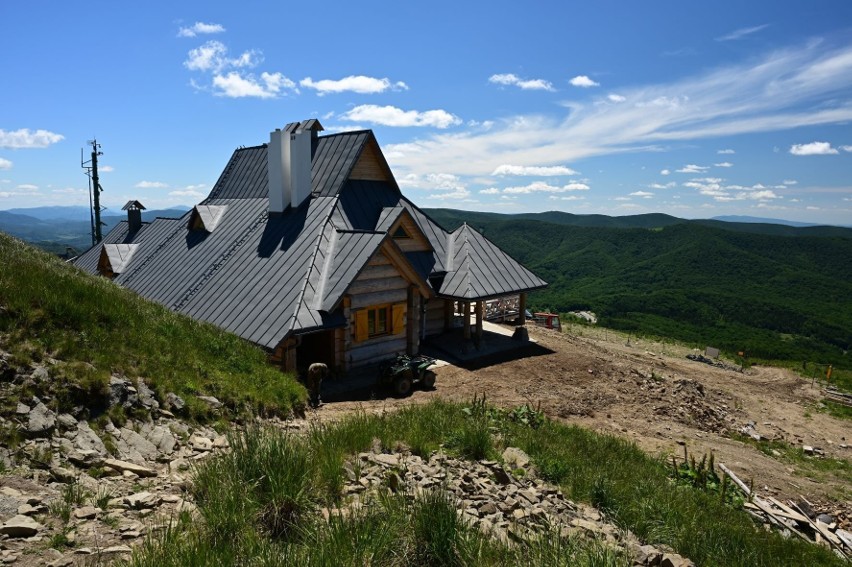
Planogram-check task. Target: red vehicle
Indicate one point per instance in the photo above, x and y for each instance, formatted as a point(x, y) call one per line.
point(547, 320)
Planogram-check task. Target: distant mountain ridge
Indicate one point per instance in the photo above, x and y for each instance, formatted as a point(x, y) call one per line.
point(452, 218)
point(56, 228)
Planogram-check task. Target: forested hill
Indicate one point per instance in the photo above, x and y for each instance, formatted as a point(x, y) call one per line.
point(777, 297)
point(451, 218)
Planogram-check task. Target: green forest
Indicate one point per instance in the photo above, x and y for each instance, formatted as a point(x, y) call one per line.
point(775, 292)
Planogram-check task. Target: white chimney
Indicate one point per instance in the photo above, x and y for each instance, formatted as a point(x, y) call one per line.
point(277, 164)
point(300, 165)
point(290, 154)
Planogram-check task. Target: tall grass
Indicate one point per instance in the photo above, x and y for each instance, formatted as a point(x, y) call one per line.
point(49, 308)
point(259, 502)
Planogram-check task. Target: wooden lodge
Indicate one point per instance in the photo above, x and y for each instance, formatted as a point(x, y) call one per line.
point(306, 247)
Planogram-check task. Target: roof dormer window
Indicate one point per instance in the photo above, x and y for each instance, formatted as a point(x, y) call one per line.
point(206, 217)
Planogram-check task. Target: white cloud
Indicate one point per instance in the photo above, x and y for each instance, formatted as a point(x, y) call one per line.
point(213, 56)
point(70, 191)
point(741, 33)
point(542, 187)
point(583, 81)
point(692, 168)
point(353, 83)
point(393, 116)
point(616, 98)
point(724, 164)
point(151, 185)
point(235, 85)
point(454, 195)
point(645, 194)
point(724, 152)
point(542, 171)
point(432, 181)
point(200, 28)
point(790, 182)
point(186, 193)
point(665, 172)
point(812, 208)
point(568, 198)
point(846, 148)
point(24, 138)
point(5, 164)
point(801, 86)
point(813, 149)
point(106, 168)
point(525, 84)
point(490, 191)
point(668, 185)
point(27, 187)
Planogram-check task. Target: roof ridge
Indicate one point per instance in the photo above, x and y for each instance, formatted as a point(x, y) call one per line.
point(323, 281)
point(300, 298)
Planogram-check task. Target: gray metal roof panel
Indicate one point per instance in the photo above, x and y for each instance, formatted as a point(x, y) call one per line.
point(350, 254)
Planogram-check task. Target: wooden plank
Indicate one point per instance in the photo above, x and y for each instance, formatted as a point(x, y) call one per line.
point(384, 349)
point(832, 539)
point(360, 286)
point(378, 298)
point(379, 260)
point(371, 272)
point(788, 512)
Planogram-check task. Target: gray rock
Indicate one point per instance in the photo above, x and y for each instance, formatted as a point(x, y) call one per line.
point(174, 402)
point(142, 500)
point(675, 560)
point(163, 439)
point(123, 466)
point(134, 447)
point(23, 409)
point(86, 458)
point(66, 421)
point(88, 440)
point(200, 443)
point(516, 458)
point(122, 392)
point(20, 526)
point(211, 401)
point(146, 395)
point(116, 549)
point(62, 474)
point(40, 421)
point(40, 374)
point(86, 512)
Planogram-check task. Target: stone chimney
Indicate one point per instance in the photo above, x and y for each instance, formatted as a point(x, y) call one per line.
point(289, 157)
point(134, 216)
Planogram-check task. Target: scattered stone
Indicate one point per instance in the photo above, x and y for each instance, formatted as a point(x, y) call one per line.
point(86, 512)
point(516, 458)
point(174, 402)
point(116, 549)
point(807, 449)
point(40, 421)
point(20, 526)
point(146, 395)
point(211, 401)
point(200, 443)
point(675, 560)
point(23, 409)
point(142, 500)
point(88, 440)
point(66, 421)
point(63, 475)
point(124, 466)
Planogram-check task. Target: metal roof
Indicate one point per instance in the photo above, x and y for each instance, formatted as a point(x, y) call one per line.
point(264, 277)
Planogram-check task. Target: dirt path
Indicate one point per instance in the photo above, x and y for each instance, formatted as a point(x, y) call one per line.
point(651, 394)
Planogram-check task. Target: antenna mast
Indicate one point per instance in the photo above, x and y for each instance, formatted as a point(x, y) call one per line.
point(95, 189)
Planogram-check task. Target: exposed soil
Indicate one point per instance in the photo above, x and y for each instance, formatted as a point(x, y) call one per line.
point(651, 394)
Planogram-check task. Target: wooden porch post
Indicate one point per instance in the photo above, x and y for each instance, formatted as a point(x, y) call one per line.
point(522, 309)
point(448, 313)
point(413, 322)
point(466, 320)
point(480, 309)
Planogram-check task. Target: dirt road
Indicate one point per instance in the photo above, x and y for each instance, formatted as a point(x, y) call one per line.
point(651, 394)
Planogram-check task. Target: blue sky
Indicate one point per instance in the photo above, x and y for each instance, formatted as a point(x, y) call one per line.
point(695, 110)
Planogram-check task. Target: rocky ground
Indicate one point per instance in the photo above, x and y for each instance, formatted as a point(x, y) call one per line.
point(75, 492)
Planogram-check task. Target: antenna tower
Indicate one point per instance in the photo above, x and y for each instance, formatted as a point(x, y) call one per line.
point(95, 190)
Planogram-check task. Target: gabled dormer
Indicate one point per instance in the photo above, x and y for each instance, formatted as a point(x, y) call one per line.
point(206, 217)
point(114, 258)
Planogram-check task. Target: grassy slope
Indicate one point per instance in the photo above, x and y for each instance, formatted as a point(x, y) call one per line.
point(777, 297)
point(271, 477)
point(48, 308)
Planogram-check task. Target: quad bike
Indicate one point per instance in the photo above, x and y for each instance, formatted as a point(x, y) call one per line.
point(404, 371)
